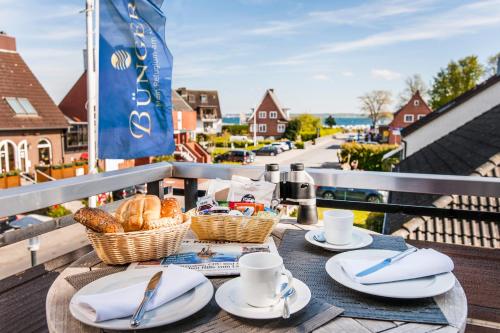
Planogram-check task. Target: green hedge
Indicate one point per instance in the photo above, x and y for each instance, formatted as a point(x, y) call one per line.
point(299, 144)
point(236, 129)
point(369, 157)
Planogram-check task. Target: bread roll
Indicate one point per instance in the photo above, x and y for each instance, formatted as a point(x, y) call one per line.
point(160, 223)
point(170, 208)
point(152, 210)
point(98, 220)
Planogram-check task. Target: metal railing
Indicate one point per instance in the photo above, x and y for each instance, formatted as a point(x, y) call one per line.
point(28, 198)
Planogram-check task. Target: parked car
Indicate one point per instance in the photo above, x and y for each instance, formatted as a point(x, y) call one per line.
point(124, 193)
point(290, 144)
point(268, 150)
point(242, 156)
point(351, 194)
point(282, 145)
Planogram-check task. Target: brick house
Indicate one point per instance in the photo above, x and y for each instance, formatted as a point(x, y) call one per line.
point(207, 107)
point(272, 118)
point(31, 125)
point(414, 110)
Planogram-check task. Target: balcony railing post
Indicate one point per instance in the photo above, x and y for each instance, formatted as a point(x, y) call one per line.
point(190, 193)
point(156, 188)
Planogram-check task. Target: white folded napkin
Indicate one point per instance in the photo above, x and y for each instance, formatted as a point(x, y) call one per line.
point(123, 302)
point(424, 262)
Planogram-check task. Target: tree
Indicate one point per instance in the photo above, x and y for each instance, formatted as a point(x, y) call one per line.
point(413, 84)
point(454, 80)
point(308, 123)
point(492, 65)
point(375, 103)
point(292, 129)
point(330, 121)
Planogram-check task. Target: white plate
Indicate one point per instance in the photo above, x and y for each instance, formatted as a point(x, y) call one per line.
point(175, 310)
point(360, 239)
point(415, 288)
point(229, 297)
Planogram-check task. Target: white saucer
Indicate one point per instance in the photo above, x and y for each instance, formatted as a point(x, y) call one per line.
point(230, 298)
point(407, 289)
point(175, 310)
point(360, 239)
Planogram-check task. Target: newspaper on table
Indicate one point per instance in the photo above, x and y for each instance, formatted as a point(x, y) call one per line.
point(212, 258)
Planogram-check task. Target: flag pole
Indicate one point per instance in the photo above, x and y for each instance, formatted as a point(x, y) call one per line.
point(91, 94)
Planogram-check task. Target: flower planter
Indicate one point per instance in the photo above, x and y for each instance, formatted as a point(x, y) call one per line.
point(56, 173)
point(68, 172)
point(3, 182)
point(12, 181)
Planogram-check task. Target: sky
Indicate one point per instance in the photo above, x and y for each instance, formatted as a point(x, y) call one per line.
point(318, 55)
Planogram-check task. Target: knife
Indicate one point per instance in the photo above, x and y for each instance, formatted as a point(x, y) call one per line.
point(148, 293)
point(386, 262)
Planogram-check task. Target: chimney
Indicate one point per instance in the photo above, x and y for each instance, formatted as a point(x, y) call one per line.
point(271, 90)
point(7, 43)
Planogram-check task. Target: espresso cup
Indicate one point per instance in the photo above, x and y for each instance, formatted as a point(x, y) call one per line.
point(338, 226)
point(260, 278)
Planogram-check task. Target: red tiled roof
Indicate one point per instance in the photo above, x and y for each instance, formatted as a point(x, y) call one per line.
point(73, 104)
point(17, 80)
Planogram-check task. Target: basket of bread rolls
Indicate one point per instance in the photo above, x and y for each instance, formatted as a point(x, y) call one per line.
point(142, 228)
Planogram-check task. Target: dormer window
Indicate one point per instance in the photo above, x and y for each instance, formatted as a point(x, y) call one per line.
point(203, 99)
point(21, 106)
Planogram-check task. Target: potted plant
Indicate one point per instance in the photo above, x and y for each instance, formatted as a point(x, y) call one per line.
point(56, 171)
point(3, 183)
point(13, 179)
point(80, 168)
point(68, 170)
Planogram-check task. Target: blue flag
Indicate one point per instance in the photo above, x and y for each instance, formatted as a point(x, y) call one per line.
point(135, 80)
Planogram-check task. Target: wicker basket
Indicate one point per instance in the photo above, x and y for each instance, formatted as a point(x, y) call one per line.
point(243, 229)
point(126, 247)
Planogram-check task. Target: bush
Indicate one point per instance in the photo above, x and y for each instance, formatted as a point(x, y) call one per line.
point(369, 157)
point(308, 136)
point(236, 129)
point(164, 158)
point(68, 165)
point(13, 173)
point(299, 144)
point(292, 129)
point(325, 131)
point(58, 211)
point(56, 166)
point(80, 163)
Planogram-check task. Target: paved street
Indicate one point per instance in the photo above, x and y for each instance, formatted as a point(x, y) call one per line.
point(321, 155)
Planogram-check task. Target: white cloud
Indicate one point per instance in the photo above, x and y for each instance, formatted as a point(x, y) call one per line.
point(465, 19)
point(321, 77)
point(347, 73)
point(385, 74)
point(274, 28)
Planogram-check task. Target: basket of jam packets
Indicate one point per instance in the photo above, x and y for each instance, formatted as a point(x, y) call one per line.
point(246, 216)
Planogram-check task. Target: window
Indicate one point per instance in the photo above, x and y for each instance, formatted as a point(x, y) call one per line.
point(273, 115)
point(203, 99)
point(76, 138)
point(420, 116)
point(44, 152)
point(191, 99)
point(416, 102)
point(262, 114)
point(262, 128)
point(408, 118)
point(281, 128)
point(21, 106)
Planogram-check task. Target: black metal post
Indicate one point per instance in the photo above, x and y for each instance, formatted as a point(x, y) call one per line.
point(33, 258)
point(190, 193)
point(156, 188)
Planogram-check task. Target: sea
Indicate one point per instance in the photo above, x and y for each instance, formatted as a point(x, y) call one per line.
point(342, 120)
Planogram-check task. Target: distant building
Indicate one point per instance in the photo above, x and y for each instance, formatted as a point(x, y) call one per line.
point(207, 107)
point(31, 125)
point(272, 118)
point(234, 119)
point(414, 110)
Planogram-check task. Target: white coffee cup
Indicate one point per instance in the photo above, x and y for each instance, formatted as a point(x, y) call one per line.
point(338, 226)
point(260, 278)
